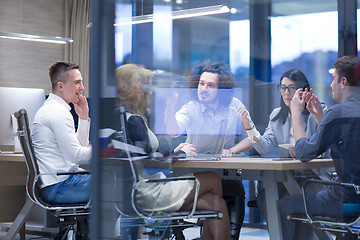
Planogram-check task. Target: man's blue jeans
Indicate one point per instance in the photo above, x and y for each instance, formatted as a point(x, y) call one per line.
point(76, 189)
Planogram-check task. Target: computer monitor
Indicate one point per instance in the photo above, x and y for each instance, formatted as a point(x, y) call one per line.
point(12, 100)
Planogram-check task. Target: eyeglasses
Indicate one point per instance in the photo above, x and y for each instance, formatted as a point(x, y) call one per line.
point(290, 88)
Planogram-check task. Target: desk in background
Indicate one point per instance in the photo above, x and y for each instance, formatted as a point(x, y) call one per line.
point(266, 169)
point(13, 200)
point(13, 174)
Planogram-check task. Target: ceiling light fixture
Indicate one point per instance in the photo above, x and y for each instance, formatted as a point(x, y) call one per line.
point(35, 38)
point(30, 37)
point(187, 13)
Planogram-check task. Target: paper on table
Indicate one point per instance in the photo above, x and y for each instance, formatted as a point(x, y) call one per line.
point(127, 147)
point(106, 132)
point(286, 145)
point(283, 159)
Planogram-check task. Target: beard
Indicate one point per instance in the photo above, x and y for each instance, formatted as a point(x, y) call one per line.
point(205, 99)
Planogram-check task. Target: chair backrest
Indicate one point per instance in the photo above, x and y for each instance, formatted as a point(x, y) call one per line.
point(28, 151)
point(128, 171)
point(131, 170)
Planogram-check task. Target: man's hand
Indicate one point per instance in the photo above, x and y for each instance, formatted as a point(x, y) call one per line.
point(170, 119)
point(313, 105)
point(171, 101)
point(227, 153)
point(187, 148)
point(292, 152)
point(298, 101)
point(82, 108)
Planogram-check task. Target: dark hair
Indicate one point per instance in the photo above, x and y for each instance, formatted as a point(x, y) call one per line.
point(225, 79)
point(346, 67)
point(57, 70)
point(301, 82)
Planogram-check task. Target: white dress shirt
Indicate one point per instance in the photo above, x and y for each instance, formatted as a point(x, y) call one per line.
point(58, 148)
point(203, 125)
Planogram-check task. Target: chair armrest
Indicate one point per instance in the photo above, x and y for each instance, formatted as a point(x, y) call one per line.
point(346, 207)
point(72, 173)
point(162, 180)
point(169, 179)
point(335, 183)
point(64, 173)
point(324, 182)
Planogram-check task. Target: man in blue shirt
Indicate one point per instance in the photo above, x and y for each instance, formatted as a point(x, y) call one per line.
point(339, 130)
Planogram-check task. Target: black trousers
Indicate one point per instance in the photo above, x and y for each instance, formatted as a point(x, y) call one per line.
point(234, 195)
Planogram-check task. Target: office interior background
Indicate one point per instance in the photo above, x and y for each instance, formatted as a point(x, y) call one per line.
point(259, 39)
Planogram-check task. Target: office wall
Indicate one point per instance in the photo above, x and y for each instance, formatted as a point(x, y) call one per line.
point(23, 63)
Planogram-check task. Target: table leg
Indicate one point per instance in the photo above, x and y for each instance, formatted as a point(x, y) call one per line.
point(22, 232)
point(291, 185)
point(271, 195)
point(19, 220)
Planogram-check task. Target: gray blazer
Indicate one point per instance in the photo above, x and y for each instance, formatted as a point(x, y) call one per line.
point(278, 133)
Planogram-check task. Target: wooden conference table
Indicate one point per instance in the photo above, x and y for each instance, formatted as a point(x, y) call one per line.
point(13, 176)
point(269, 170)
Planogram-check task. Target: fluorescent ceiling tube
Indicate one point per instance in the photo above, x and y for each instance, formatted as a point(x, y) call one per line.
point(187, 13)
point(35, 38)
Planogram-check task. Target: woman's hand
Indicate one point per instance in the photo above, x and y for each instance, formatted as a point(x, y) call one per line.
point(251, 131)
point(187, 148)
point(243, 114)
point(297, 104)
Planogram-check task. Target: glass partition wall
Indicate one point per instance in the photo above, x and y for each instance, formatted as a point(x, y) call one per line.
point(257, 40)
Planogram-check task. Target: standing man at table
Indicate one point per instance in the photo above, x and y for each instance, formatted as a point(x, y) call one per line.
point(58, 147)
point(201, 119)
point(339, 130)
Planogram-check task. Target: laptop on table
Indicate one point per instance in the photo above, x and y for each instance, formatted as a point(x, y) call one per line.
point(218, 142)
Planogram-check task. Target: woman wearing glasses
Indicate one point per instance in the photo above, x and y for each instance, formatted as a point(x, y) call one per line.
point(279, 130)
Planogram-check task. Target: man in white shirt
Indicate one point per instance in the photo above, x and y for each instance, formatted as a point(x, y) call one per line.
point(58, 147)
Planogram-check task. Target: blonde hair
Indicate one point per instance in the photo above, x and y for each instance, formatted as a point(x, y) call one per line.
point(128, 76)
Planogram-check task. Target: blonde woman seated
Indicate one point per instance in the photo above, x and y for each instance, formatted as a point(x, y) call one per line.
point(134, 94)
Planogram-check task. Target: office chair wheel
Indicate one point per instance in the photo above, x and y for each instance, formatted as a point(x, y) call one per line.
point(166, 233)
point(66, 233)
point(347, 236)
point(178, 234)
point(73, 230)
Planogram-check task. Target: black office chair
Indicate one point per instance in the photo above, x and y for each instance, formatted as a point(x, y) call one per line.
point(70, 216)
point(165, 224)
point(342, 221)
